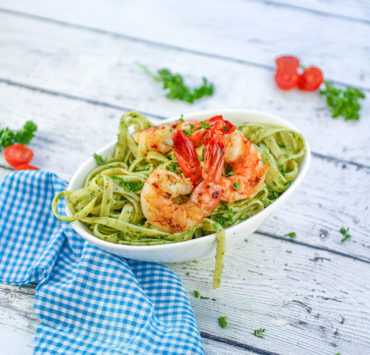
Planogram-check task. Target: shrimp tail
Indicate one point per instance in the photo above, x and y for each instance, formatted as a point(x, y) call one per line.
point(187, 157)
point(214, 158)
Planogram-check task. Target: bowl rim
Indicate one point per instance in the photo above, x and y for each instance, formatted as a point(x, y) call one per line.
point(81, 230)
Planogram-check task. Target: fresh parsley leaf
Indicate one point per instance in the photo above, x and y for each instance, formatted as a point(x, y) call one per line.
point(205, 125)
point(188, 274)
point(196, 293)
point(222, 321)
point(259, 333)
point(236, 186)
point(346, 235)
point(176, 87)
point(23, 136)
point(99, 159)
point(225, 219)
point(343, 102)
point(231, 173)
point(172, 166)
point(226, 129)
point(282, 145)
point(281, 169)
point(129, 186)
point(291, 235)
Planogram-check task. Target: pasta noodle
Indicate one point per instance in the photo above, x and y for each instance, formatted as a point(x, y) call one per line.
point(109, 202)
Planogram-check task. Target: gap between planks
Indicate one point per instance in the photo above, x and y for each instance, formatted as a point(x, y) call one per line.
point(153, 43)
point(314, 11)
point(123, 108)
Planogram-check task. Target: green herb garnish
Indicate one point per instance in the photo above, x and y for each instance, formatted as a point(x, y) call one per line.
point(205, 125)
point(176, 87)
point(172, 166)
point(346, 235)
point(99, 159)
point(291, 235)
point(196, 293)
point(129, 186)
point(343, 102)
point(22, 136)
point(236, 186)
point(222, 321)
point(259, 333)
point(231, 173)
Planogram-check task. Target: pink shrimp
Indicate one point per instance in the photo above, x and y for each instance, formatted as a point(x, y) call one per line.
point(159, 138)
point(163, 186)
point(247, 170)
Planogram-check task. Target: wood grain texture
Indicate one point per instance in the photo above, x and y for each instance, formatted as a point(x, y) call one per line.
point(70, 131)
point(309, 302)
point(240, 30)
point(356, 10)
point(101, 68)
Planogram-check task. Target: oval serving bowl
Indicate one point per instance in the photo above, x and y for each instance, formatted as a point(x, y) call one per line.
point(204, 246)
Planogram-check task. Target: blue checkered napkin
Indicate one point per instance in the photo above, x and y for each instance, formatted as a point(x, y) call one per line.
point(88, 301)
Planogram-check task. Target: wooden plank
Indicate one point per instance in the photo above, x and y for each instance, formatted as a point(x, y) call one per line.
point(102, 68)
point(308, 303)
point(70, 131)
point(247, 30)
point(357, 10)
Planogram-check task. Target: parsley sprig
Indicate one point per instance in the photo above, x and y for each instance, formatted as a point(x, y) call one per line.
point(23, 136)
point(176, 87)
point(346, 235)
point(99, 159)
point(343, 102)
point(259, 333)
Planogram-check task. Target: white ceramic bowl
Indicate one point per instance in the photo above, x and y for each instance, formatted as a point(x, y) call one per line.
point(201, 247)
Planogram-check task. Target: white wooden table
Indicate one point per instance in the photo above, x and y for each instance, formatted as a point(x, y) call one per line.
point(69, 67)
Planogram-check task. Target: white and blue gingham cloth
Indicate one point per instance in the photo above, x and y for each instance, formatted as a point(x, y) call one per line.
point(88, 301)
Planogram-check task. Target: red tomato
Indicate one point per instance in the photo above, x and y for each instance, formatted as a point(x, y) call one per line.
point(26, 167)
point(18, 154)
point(287, 61)
point(310, 79)
point(286, 79)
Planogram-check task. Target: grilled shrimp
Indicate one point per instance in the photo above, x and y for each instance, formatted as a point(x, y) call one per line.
point(247, 171)
point(159, 138)
point(162, 187)
point(246, 166)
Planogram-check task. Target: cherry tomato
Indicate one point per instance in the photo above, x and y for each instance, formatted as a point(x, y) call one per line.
point(18, 154)
point(287, 61)
point(310, 79)
point(287, 78)
point(26, 167)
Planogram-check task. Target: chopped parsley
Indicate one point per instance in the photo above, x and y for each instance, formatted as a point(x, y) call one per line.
point(231, 173)
point(343, 102)
point(176, 87)
point(225, 219)
point(236, 186)
point(281, 169)
point(99, 159)
point(291, 235)
point(188, 274)
point(346, 235)
point(172, 166)
point(205, 125)
point(222, 321)
point(197, 294)
point(129, 186)
point(259, 333)
point(22, 136)
point(226, 129)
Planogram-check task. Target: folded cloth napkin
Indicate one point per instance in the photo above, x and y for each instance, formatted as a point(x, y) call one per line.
point(88, 301)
